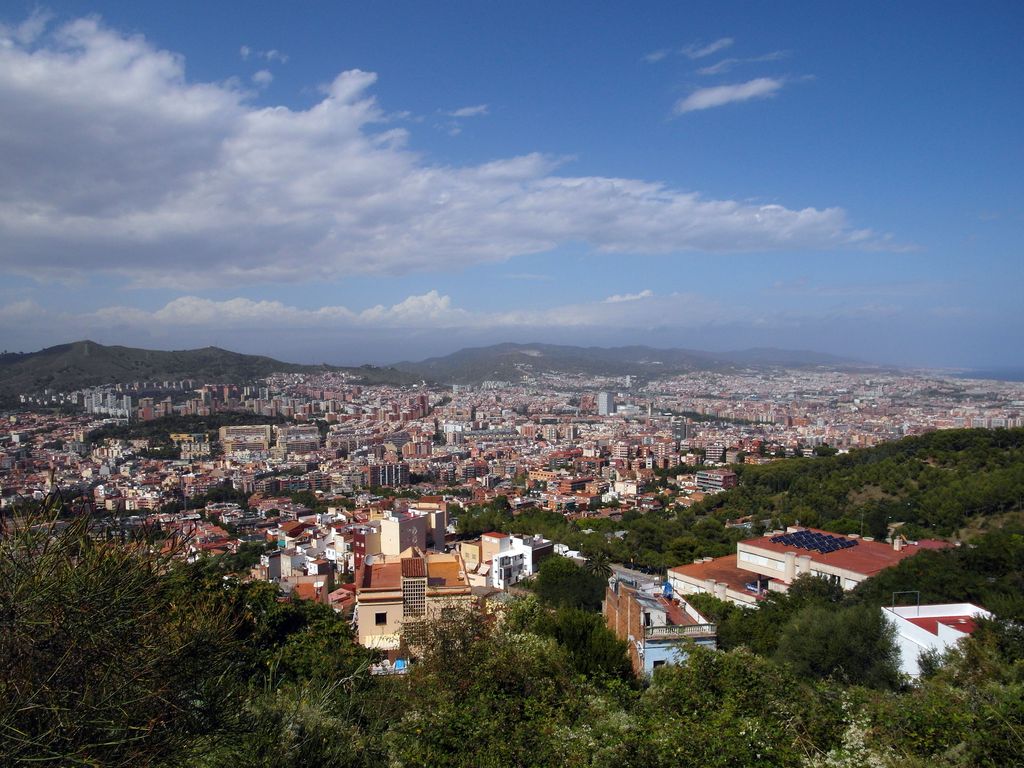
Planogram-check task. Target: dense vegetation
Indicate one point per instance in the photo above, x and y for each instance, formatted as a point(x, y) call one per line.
point(114, 655)
point(935, 484)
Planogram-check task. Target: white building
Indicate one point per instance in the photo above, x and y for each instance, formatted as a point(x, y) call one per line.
point(518, 558)
point(930, 628)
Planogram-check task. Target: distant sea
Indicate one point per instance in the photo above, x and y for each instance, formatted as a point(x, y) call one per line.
point(999, 374)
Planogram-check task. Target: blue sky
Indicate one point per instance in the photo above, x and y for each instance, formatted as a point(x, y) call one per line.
point(374, 181)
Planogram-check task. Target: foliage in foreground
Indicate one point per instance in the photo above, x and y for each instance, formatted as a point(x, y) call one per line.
point(111, 655)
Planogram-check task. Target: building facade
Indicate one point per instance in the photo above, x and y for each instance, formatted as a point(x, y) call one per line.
point(394, 593)
point(657, 624)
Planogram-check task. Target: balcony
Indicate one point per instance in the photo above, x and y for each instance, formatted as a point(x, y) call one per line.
point(680, 632)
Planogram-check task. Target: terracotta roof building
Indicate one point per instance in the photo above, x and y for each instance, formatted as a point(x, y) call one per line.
point(654, 622)
point(771, 562)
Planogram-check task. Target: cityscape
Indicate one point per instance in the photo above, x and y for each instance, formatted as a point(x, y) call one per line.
point(478, 385)
point(600, 438)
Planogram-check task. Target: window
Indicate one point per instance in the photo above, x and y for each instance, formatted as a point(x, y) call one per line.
point(658, 663)
point(380, 619)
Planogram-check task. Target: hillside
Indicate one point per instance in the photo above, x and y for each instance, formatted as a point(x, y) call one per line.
point(946, 483)
point(510, 362)
point(85, 363)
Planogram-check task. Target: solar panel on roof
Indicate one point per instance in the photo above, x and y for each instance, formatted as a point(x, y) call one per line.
point(812, 540)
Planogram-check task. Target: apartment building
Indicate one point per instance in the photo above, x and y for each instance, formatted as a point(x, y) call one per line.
point(393, 593)
point(654, 621)
point(714, 453)
point(297, 440)
point(715, 480)
point(245, 438)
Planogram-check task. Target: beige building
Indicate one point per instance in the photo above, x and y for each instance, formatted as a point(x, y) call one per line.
point(393, 593)
point(435, 510)
point(399, 531)
point(245, 438)
point(470, 552)
point(492, 544)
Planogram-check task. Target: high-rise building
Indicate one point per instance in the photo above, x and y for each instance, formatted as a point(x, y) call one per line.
point(605, 403)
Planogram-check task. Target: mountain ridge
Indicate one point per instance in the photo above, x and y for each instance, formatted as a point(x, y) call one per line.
point(509, 361)
point(86, 363)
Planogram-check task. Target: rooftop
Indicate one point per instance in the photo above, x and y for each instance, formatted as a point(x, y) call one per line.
point(854, 554)
point(413, 568)
point(965, 624)
point(962, 617)
point(721, 569)
point(442, 571)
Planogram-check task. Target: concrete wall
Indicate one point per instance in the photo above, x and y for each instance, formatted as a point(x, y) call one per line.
point(373, 635)
point(912, 640)
point(398, 534)
point(492, 545)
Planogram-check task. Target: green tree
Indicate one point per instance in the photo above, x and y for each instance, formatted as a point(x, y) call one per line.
point(854, 644)
point(599, 565)
point(729, 709)
point(593, 649)
point(562, 583)
point(484, 698)
point(96, 666)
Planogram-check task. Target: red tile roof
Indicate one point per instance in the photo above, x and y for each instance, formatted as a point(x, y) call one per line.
point(674, 612)
point(965, 624)
point(721, 569)
point(414, 568)
point(867, 557)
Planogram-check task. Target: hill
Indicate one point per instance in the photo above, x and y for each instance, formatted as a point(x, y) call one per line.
point(80, 364)
point(511, 362)
point(949, 484)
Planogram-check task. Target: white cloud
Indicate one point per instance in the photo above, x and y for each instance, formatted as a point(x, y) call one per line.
point(428, 311)
point(620, 297)
point(706, 98)
point(698, 51)
point(656, 56)
point(474, 111)
point(263, 78)
point(30, 29)
point(113, 162)
point(20, 311)
point(269, 56)
point(726, 65)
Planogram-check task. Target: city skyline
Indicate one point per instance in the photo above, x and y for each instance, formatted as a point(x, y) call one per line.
point(375, 184)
